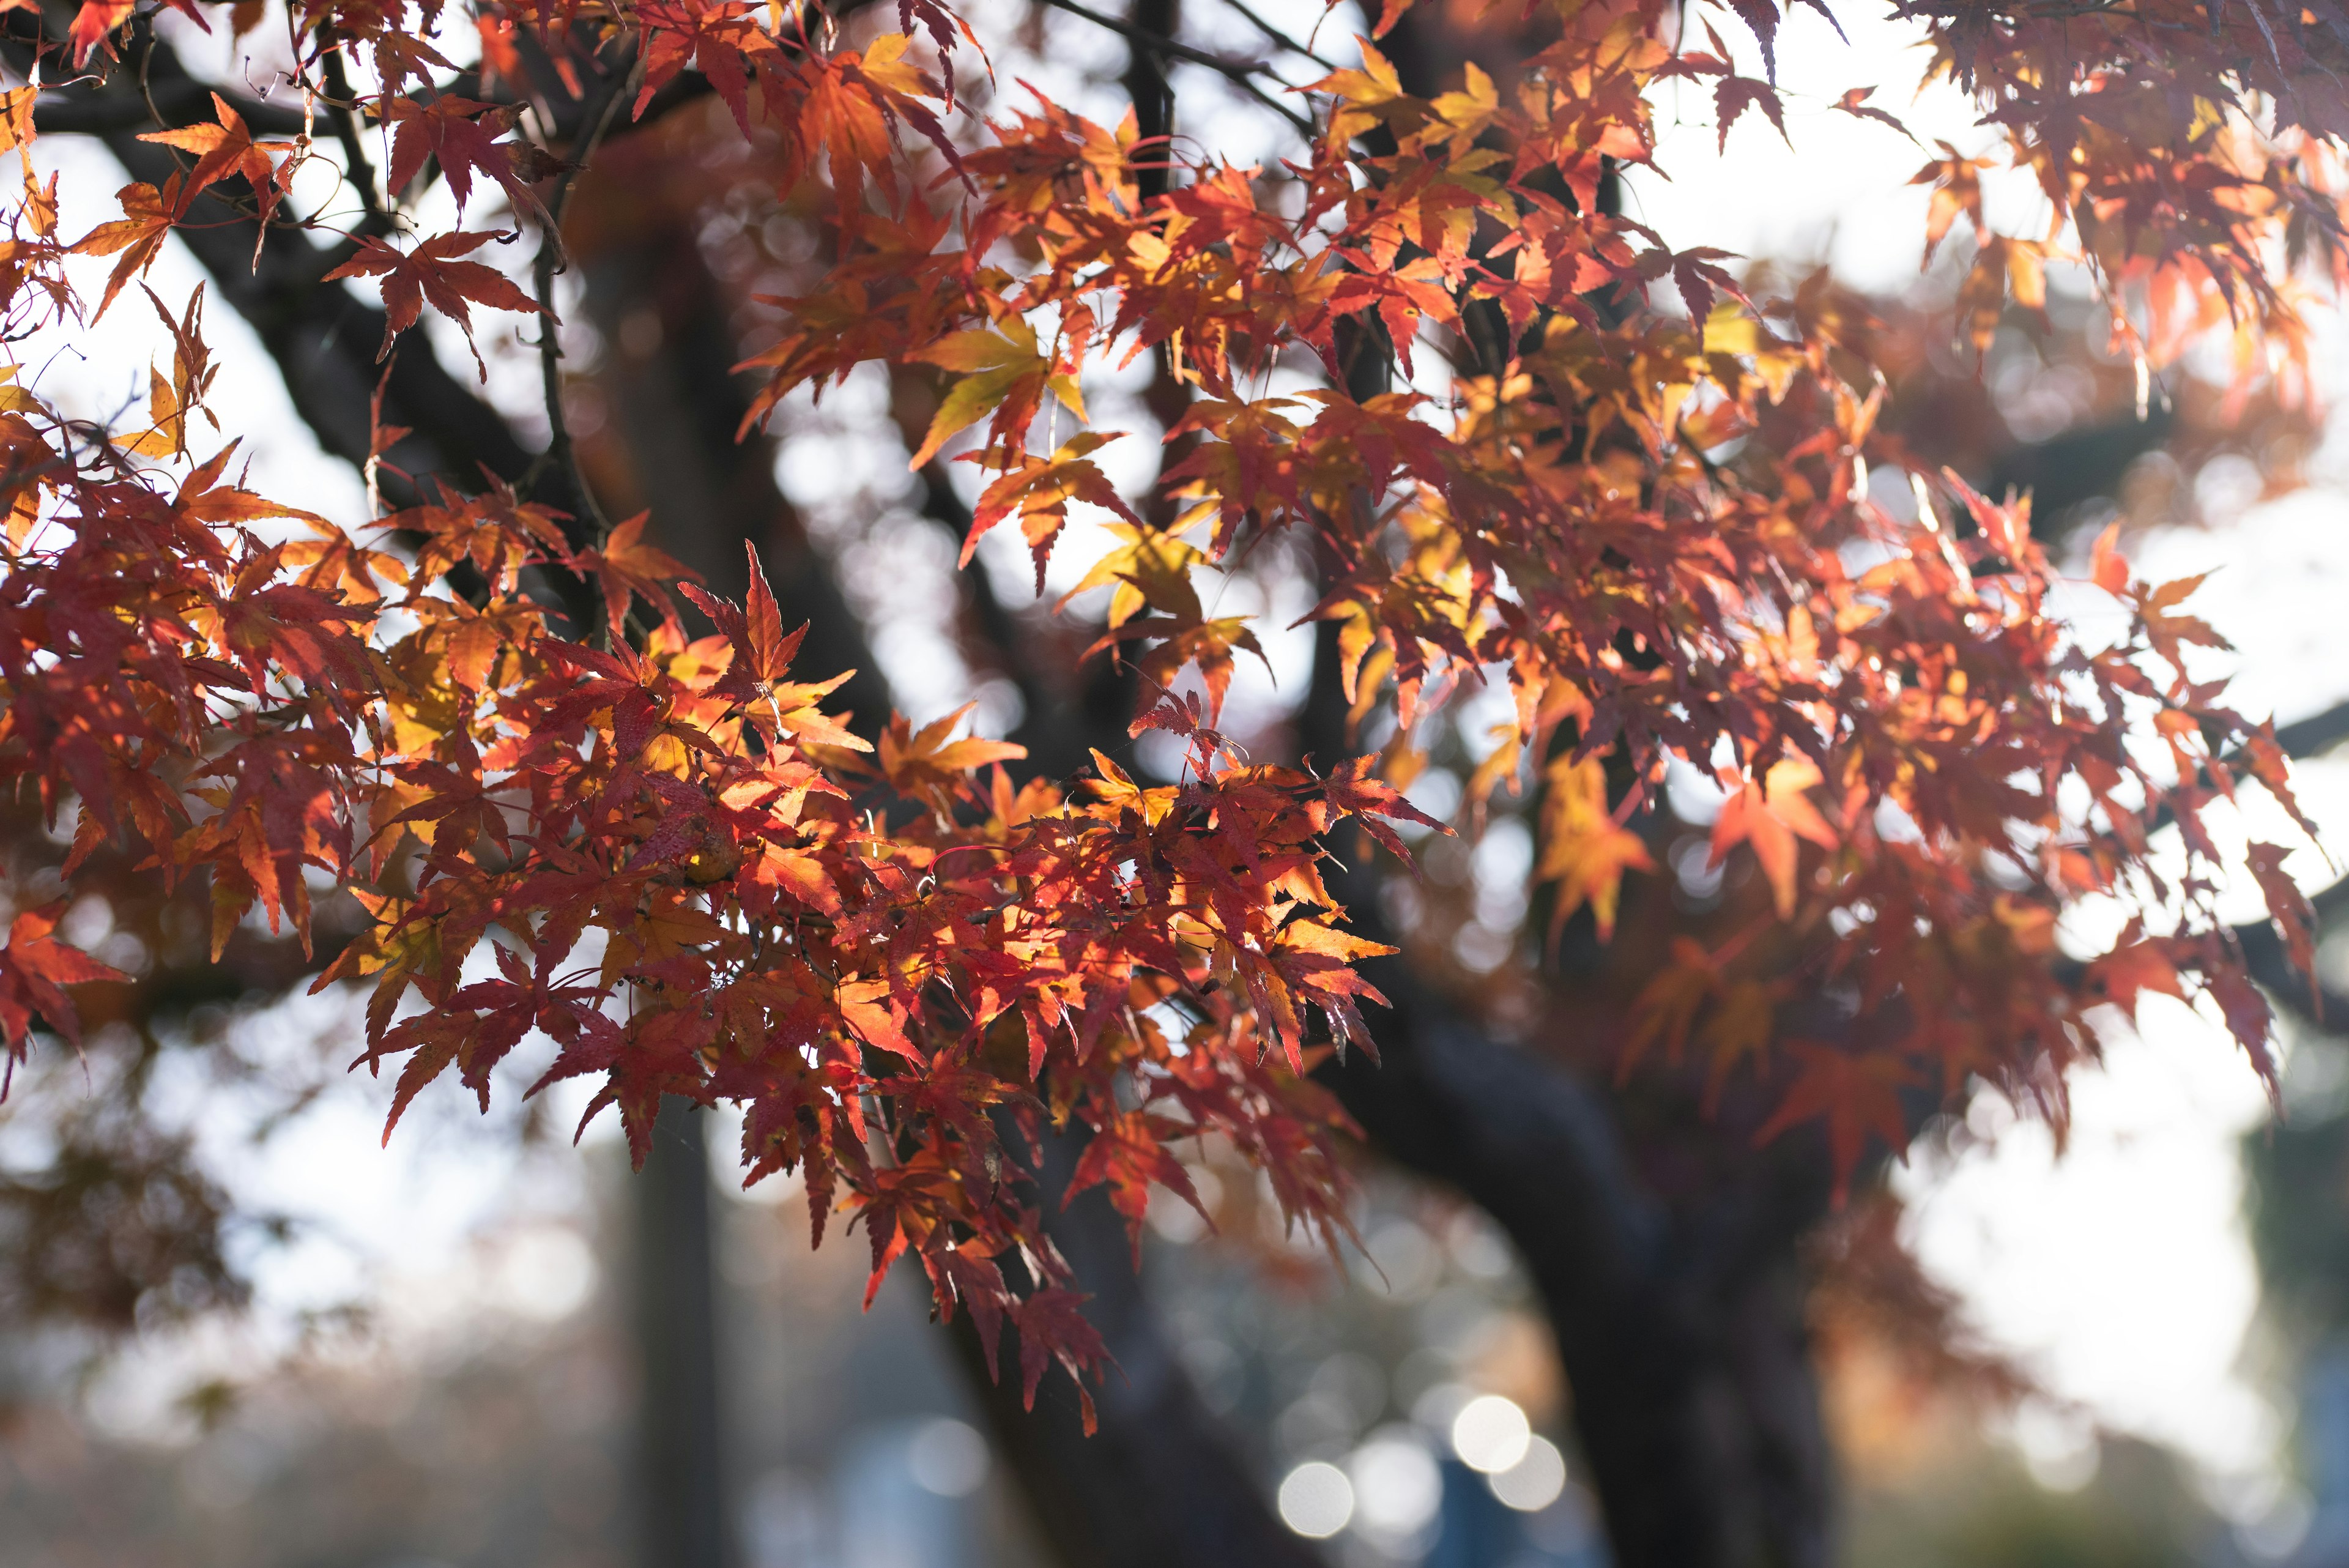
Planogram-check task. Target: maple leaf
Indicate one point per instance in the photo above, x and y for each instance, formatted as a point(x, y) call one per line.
point(762, 658)
point(870, 1009)
point(1210, 647)
point(1856, 1094)
point(1585, 849)
point(170, 402)
point(2250, 1020)
point(1039, 490)
point(626, 568)
point(2136, 965)
point(1354, 789)
point(227, 149)
point(1369, 97)
point(1957, 190)
point(1740, 1027)
point(204, 497)
point(1127, 1153)
point(1150, 570)
point(463, 134)
point(2108, 568)
point(1732, 96)
point(35, 968)
point(434, 272)
point(1771, 815)
point(93, 25)
point(719, 37)
point(1667, 1007)
point(1053, 1327)
point(1853, 102)
point(401, 57)
point(924, 760)
point(2294, 916)
point(964, 1274)
point(1004, 375)
point(762, 649)
point(147, 215)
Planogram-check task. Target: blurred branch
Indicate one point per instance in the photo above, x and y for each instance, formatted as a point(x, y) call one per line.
point(1680, 1326)
point(2316, 734)
point(1241, 75)
point(1679, 1312)
point(323, 338)
point(1275, 35)
point(1158, 1485)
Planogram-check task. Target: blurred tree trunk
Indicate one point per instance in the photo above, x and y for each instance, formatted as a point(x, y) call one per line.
point(1159, 1484)
point(686, 1517)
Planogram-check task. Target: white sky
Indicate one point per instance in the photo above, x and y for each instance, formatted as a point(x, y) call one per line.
point(2120, 1272)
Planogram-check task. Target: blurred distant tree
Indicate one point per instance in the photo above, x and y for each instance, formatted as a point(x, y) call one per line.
point(1807, 769)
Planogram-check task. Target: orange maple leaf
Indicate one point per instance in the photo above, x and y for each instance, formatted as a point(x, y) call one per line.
point(1585, 850)
point(35, 967)
point(228, 148)
point(147, 215)
point(625, 565)
point(1770, 814)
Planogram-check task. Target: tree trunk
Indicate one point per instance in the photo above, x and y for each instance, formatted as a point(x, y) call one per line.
point(1159, 1484)
point(686, 1519)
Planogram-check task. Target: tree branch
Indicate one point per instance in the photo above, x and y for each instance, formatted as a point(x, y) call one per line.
point(2317, 732)
point(1240, 76)
point(1158, 1484)
point(560, 452)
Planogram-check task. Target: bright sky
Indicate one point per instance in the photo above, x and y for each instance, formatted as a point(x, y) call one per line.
point(2120, 1271)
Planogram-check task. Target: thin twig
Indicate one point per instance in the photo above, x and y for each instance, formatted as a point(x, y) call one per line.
point(550, 259)
point(347, 124)
point(1256, 20)
point(1241, 76)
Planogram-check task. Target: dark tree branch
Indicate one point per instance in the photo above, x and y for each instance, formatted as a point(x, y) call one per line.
point(1159, 1484)
point(1680, 1326)
point(2316, 734)
point(325, 341)
point(674, 412)
point(684, 1516)
point(1275, 35)
point(1679, 1317)
point(596, 527)
point(1242, 76)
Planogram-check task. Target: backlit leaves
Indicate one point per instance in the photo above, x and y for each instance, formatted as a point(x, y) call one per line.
point(1519, 443)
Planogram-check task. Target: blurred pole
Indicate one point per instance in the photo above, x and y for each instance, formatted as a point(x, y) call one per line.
point(683, 1519)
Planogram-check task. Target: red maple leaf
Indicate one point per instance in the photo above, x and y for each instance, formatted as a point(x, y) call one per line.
point(1856, 1096)
point(463, 135)
point(433, 273)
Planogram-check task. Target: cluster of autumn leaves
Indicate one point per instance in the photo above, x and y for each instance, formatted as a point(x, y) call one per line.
point(1642, 503)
